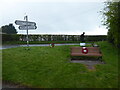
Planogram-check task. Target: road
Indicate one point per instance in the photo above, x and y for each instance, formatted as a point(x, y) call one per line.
point(13, 46)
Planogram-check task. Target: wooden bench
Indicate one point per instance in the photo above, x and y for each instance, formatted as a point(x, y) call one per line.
point(92, 51)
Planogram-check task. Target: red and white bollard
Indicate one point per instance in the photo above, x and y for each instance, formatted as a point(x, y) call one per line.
point(52, 45)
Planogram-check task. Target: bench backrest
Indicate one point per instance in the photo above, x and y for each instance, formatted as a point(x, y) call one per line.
point(90, 49)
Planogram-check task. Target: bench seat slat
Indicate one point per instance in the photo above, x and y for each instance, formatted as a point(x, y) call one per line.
point(89, 54)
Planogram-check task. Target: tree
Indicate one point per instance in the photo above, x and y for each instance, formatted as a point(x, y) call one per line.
point(111, 14)
point(9, 29)
point(0, 30)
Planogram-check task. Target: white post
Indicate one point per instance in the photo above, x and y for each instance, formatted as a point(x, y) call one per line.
point(27, 31)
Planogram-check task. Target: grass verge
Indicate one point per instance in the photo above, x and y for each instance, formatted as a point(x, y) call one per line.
point(45, 67)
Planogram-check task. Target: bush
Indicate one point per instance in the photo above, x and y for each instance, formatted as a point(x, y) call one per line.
point(10, 37)
point(96, 38)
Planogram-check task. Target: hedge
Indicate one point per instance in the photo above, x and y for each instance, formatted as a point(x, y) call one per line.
point(18, 37)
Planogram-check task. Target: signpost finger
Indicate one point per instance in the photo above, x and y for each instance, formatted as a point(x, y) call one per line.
point(25, 27)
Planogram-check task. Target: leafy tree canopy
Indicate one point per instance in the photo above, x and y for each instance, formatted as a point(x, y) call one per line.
point(8, 29)
point(111, 14)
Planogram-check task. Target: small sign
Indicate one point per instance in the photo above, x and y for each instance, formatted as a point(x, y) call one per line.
point(24, 27)
point(19, 22)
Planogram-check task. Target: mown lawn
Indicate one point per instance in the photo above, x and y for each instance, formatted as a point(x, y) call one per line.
point(45, 67)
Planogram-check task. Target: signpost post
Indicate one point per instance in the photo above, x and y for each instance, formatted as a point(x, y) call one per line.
point(27, 30)
point(26, 25)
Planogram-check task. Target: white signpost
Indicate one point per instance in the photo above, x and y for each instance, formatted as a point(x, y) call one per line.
point(25, 25)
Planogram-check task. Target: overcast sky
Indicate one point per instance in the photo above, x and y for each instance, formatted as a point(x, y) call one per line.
point(55, 17)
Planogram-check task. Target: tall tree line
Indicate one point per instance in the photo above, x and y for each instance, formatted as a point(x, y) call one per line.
point(111, 14)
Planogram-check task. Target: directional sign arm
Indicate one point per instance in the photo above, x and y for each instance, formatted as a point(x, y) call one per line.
point(19, 22)
point(24, 27)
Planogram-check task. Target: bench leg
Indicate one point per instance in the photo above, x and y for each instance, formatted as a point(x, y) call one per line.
point(100, 58)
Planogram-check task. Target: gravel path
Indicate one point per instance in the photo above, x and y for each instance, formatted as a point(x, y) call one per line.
point(7, 85)
point(89, 63)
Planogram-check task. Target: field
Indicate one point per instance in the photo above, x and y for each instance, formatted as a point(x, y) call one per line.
point(45, 67)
